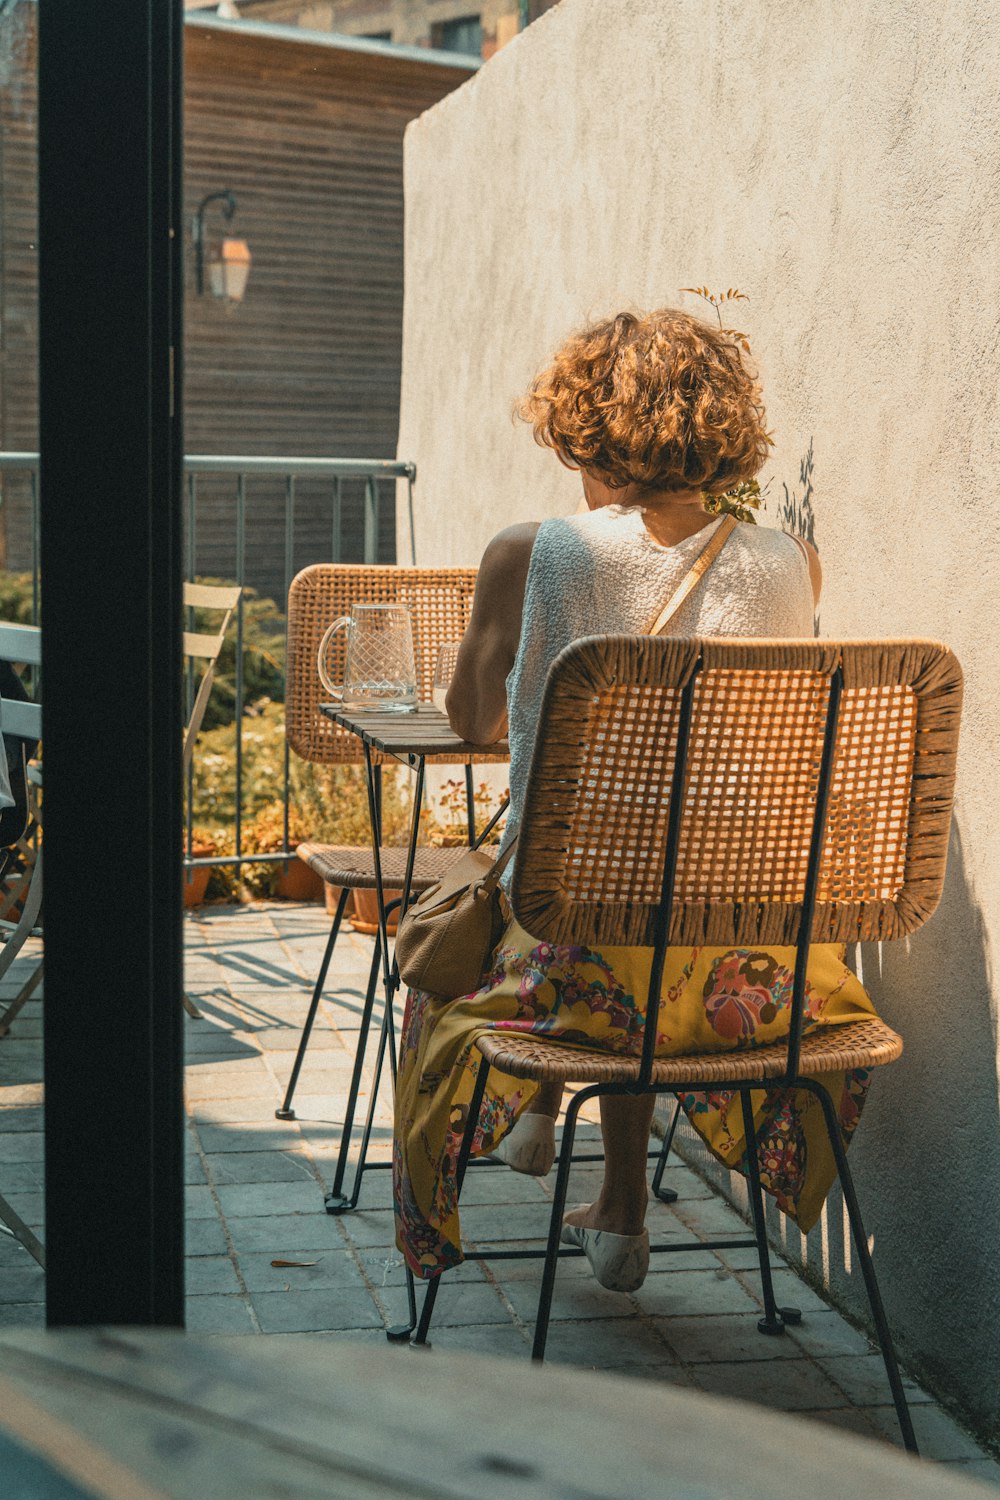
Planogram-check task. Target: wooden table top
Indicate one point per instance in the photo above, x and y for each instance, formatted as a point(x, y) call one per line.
point(425, 731)
point(128, 1414)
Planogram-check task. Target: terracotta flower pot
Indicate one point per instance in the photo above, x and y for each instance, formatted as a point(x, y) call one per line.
point(364, 915)
point(196, 880)
point(298, 882)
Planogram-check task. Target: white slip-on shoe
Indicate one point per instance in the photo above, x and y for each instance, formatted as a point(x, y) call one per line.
point(619, 1261)
point(529, 1146)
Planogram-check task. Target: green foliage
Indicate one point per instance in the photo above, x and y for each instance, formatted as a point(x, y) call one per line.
point(15, 598)
point(740, 502)
point(447, 826)
point(327, 803)
point(743, 499)
point(263, 655)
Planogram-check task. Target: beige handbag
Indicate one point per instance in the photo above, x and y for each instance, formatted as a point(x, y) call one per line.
point(445, 939)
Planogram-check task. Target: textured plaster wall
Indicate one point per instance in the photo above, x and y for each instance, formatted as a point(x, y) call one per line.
point(841, 164)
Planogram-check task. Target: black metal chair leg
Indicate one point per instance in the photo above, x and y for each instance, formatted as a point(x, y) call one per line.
point(343, 1156)
point(770, 1323)
point(555, 1225)
point(865, 1261)
point(340, 1204)
point(286, 1112)
point(465, 1151)
point(666, 1195)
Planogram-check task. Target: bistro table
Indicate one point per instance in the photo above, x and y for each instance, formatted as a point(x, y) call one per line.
point(408, 738)
point(140, 1414)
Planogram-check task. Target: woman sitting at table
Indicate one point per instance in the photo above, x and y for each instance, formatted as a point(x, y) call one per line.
point(657, 412)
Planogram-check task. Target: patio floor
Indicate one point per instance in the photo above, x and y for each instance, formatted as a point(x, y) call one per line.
point(255, 1196)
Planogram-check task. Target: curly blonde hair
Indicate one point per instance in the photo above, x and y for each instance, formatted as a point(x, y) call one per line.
point(659, 400)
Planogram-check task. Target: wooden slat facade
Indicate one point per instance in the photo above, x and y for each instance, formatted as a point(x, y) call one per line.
point(308, 135)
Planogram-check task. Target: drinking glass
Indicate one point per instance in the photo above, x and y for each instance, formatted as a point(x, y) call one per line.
point(379, 668)
point(444, 671)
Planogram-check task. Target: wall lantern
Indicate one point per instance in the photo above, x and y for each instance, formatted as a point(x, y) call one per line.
point(226, 265)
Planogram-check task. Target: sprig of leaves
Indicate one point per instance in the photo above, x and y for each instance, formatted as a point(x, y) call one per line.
point(745, 498)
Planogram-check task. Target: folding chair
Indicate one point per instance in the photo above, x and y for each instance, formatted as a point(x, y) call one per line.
point(727, 792)
point(22, 883)
point(204, 647)
point(440, 602)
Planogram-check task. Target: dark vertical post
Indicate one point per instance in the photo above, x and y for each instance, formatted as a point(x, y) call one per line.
point(110, 273)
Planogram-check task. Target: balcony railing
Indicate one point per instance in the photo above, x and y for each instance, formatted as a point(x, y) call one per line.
point(255, 521)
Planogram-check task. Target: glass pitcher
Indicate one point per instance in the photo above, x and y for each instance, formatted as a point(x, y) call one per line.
point(379, 664)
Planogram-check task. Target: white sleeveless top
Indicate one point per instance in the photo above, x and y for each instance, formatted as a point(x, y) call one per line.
point(603, 574)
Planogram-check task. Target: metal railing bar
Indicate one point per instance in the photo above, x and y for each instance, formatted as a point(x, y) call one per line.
point(302, 468)
point(241, 504)
point(192, 504)
point(371, 520)
point(229, 463)
point(289, 573)
point(336, 521)
point(35, 574)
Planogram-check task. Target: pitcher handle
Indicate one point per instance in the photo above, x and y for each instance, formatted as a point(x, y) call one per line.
point(342, 624)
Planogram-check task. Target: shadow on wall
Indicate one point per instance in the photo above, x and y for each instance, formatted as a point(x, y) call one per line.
point(795, 512)
point(929, 1160)
point(926, 1161)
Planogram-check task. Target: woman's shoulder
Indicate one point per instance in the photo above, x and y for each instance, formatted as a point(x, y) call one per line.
point(780, 551)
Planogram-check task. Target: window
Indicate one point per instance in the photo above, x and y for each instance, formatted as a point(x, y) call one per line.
point(464, 34)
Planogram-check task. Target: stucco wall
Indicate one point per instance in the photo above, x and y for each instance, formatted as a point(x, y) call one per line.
point(841, 165)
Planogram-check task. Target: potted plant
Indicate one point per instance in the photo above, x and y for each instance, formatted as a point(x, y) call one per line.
point(196, 880)
point(291, 881)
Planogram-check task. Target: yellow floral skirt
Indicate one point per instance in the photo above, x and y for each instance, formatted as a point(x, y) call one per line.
point(713, 1000)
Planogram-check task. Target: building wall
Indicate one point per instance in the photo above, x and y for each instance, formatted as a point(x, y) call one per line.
point(841, 166)
point(309, 136)
point(408, 22)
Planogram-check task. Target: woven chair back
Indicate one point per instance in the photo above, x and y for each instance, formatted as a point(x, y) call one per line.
point(590, 859)
point(439, 600)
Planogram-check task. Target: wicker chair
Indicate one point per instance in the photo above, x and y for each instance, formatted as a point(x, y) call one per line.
point(440, 602)
point(744, 793)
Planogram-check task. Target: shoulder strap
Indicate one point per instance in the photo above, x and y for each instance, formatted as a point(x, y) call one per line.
point(698, 569)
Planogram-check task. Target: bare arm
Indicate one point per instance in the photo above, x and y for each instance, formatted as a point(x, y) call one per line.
point(477, 698)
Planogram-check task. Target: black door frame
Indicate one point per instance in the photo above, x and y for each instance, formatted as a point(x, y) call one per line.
point(110, 312)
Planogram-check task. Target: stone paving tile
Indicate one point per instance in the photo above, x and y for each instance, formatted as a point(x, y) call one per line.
point(276, 1232)
point(987, 1470)
point(206, 1274)
point(247, 1200)
point(22, 1315)
point(490, 1340)
point(205, 1237)
point(575, 1299)
point(218, 1314)
point(22, 1177)
point(199, 1203)
point(17, 1115)
point(220, 1136)
point(784, 1384)
point(334, 1308)
point(229, 1167)
point(825, 1332)
point(938, 1435)
point(20, 1145)
point(319, 1269)
point(688, 1293)
point(603, 1344)
point(863, 1378)
point(24, 1282)
point(726, 1337)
